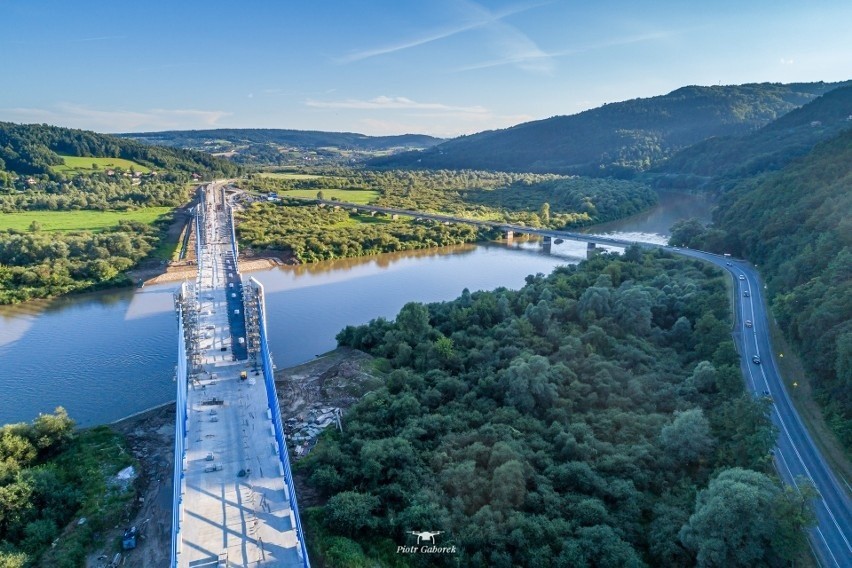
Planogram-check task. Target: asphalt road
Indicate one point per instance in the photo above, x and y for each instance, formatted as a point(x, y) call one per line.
point(796, 455)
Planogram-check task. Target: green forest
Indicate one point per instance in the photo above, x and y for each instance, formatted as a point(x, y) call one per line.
point(311, 233)
point(596, 417)
point(314, 233)
point(49, 475)
point(722, 161)
point(274, 146)
point(31, 180)
point(796, 225)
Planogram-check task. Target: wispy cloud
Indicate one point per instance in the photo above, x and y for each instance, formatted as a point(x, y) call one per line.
point(394, 115)
point(477, 17)
point(98, 38)
point(392, 103)
point(786, 61)
point(120, 120)
point(533, 58)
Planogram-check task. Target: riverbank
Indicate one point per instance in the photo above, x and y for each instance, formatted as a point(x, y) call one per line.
point(178, 272)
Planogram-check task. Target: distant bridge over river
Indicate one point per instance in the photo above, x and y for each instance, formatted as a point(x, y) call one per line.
point(509, 230)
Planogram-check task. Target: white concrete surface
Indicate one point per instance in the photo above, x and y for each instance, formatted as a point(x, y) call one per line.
point(229, 519)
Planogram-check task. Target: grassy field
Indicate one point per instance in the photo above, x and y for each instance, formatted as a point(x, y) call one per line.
point(361, 196)
point(286, 175)
point(78, 220)
point(77, 165)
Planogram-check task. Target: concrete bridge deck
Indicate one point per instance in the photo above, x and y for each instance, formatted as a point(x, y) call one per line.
point(235, 503)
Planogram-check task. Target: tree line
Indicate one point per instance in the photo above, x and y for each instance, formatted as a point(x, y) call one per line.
point(313, 233)
point(29, 149)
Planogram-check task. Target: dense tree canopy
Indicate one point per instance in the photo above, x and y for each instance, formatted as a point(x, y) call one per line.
point(49, 473)
point(30, 149)
point(39, 264)
point(570, 423)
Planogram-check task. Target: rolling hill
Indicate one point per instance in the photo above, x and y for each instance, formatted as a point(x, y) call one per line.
point(770, 148)
point(280, 146)
point(36, 149)
point(617, 139)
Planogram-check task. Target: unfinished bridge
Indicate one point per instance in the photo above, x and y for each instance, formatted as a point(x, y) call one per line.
point(234, 498)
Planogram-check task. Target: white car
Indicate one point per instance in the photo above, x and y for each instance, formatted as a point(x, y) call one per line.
point(748, 323)
point(742, 277)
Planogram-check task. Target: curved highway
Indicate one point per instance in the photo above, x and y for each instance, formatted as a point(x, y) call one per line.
point(796, 455)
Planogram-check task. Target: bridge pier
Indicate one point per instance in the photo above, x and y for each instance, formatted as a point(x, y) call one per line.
point(546, 243)
point(509, 235)
point(592, 250)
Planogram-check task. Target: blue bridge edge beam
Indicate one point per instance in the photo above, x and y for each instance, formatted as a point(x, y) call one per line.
point(272, 398)
point(180, 434)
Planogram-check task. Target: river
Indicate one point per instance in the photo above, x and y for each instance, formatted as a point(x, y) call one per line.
point(110, 354)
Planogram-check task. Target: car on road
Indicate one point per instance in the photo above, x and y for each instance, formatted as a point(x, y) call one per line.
point(748, 323)
point(746, 293)
point(755, 360)
point(742, 277)
point(728, 264)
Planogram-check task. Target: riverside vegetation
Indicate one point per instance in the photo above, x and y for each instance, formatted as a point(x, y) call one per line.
point(595, 417)
point(51, 474)
point(312, 233)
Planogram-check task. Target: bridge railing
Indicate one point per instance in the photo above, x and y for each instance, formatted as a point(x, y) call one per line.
point(180, 434)
point(199, 227)
point(272, 399)
point(230, 214)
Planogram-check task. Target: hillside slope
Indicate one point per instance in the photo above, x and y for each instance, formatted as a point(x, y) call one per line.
point(32, 149)
point(769, 148)
point(796, 224)
point(620, 138)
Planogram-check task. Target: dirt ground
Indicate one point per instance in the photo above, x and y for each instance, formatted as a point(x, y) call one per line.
point(337, 379)
point(150, 437)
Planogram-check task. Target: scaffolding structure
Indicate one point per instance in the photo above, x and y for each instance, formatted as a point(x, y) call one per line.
point(186, 300)
point(251, 298)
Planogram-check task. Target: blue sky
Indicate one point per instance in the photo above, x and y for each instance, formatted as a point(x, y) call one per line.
point(441, 67)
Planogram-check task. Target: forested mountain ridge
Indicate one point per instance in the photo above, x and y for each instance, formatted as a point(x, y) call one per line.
point(33, 149)
point(796, 224)
point(281, 146)
point(725, 159)
point(617, 139)
point(595, 417)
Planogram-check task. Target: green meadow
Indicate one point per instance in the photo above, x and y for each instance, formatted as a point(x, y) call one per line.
point(78, 165)
point(359, 196)
point(79, 220)
point(286, 175)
